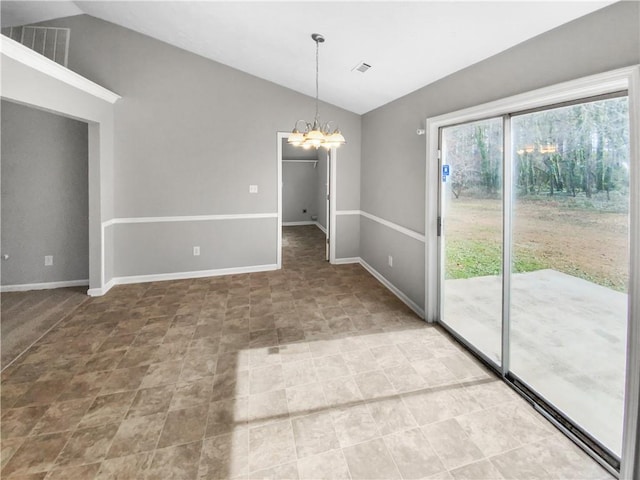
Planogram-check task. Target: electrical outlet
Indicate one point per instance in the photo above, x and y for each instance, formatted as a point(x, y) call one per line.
point(253, 188)
point(48, 260)
point(390, 261)
point(196, 251)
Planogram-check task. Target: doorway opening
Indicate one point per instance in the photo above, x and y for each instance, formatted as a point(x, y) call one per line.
point(45, 223)
point(306, 199)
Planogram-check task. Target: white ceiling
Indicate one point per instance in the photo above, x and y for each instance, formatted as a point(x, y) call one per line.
point(408, 43)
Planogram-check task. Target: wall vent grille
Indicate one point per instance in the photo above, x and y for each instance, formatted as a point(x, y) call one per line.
point(361, 67)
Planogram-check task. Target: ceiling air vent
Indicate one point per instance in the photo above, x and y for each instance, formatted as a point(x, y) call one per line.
point(361, 67)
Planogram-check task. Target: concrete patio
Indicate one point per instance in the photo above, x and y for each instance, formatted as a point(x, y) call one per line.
point(568, 341)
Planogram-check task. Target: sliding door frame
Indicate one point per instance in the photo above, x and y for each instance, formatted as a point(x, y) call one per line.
point(441, 239)
point(507, 242)
point(596, 85)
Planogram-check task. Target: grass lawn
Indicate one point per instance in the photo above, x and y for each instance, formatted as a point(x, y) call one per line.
point(472, 258)
point(548, 233)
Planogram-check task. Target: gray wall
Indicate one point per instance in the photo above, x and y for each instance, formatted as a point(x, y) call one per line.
point(172, 248)
point(45, 205)
point(393, 156)
point(348, 230)
point(299, 192)
point(299, 184)
point(180, 143)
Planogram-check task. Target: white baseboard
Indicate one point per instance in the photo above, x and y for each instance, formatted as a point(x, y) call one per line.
point(297, 224)
point(161, 277)
point(309, 222)
point(406, 300)
point(98, 292)
point(347, 260)
point(43, 286)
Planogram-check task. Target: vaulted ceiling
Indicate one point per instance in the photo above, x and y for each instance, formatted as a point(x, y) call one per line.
point(408, 44)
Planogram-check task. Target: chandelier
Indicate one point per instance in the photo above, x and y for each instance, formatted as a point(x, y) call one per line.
point(316, 134)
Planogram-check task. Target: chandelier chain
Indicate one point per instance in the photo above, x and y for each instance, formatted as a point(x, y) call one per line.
point(317, 76)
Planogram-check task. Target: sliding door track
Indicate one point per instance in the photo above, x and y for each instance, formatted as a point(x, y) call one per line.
point(605, 457)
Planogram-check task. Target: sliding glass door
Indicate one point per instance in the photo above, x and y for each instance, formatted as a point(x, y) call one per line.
point(535, 268)
point(571, 229)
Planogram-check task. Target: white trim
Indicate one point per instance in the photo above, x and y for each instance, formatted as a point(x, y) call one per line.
point(26, 56)
point(394, 226)
point(315, 162)
point(306, 222)
point(97, 292)
point(191, 218)
point(298, 224)
point(333, 202)
point(161, 277)
point(630, 466)
point(593, 85)
point(398, 228)
point(103, 227)
point(396, 291)
point(327, 208)
point(432, 202)
point(280, 136)
point(347, 260)
point(43, 286)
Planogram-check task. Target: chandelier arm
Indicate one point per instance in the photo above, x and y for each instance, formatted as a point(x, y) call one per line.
point(327, 126)
point(306, 124)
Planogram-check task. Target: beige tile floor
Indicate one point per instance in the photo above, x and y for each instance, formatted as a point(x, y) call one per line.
point(314, 371)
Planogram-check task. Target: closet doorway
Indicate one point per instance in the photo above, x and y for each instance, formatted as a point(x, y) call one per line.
point(305, 196)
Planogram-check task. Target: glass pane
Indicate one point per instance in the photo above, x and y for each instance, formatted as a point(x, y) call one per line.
point(472, 218)
point(570, 261)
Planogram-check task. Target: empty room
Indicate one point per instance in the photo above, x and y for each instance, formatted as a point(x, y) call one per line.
point(320, 240)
